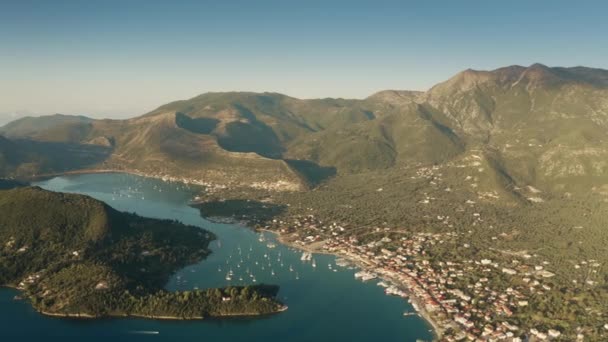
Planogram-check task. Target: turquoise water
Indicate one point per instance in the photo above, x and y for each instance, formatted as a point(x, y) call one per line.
point(324, 305)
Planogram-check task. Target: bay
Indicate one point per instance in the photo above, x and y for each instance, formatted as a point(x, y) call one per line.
point(325, 302)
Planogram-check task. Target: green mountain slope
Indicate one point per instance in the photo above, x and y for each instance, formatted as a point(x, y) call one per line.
point(22, 158)
point(56, 127)
point(547, 123)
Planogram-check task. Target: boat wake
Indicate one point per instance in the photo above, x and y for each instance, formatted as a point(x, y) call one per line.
point(144, 332)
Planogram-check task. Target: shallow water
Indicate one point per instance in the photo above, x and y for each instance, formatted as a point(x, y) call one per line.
point(325, 304)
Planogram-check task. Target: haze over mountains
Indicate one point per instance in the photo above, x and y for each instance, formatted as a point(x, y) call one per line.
point(520, 126)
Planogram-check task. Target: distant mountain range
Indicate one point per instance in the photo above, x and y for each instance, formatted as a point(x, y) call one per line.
point(531, 125)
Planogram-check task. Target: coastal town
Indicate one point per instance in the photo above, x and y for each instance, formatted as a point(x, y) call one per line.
point(474, 299)
point(467, 293)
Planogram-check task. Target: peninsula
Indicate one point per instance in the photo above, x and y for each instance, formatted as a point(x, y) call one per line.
point(74, 256)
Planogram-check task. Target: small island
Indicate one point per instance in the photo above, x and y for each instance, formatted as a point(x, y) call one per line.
point(74, 256)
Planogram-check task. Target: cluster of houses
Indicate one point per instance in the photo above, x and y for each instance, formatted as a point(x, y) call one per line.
point(475, 300)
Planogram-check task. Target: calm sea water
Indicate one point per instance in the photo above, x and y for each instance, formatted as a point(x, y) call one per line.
point(324, 305)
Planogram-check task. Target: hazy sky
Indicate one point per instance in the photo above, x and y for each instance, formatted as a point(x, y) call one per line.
point(123, 58)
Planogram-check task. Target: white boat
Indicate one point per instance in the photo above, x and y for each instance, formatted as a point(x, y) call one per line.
point(364, 275)
point(306, 256)
point(314, 264)
point(342, 262)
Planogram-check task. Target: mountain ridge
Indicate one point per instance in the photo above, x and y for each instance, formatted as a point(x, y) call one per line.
point(256, 135)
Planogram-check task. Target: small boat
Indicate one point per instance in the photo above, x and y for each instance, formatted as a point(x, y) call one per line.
point(314, 264)
point(306, 256)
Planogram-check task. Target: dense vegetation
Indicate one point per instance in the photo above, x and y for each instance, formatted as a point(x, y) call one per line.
point(73, 255)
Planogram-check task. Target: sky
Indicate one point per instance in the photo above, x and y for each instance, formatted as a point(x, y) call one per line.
point(123, 58)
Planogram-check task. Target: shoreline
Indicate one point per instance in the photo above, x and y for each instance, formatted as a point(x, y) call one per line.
point(87, 316)
point(436, 330)
point(46, 176)
point(418, 307)
point(163, 177)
